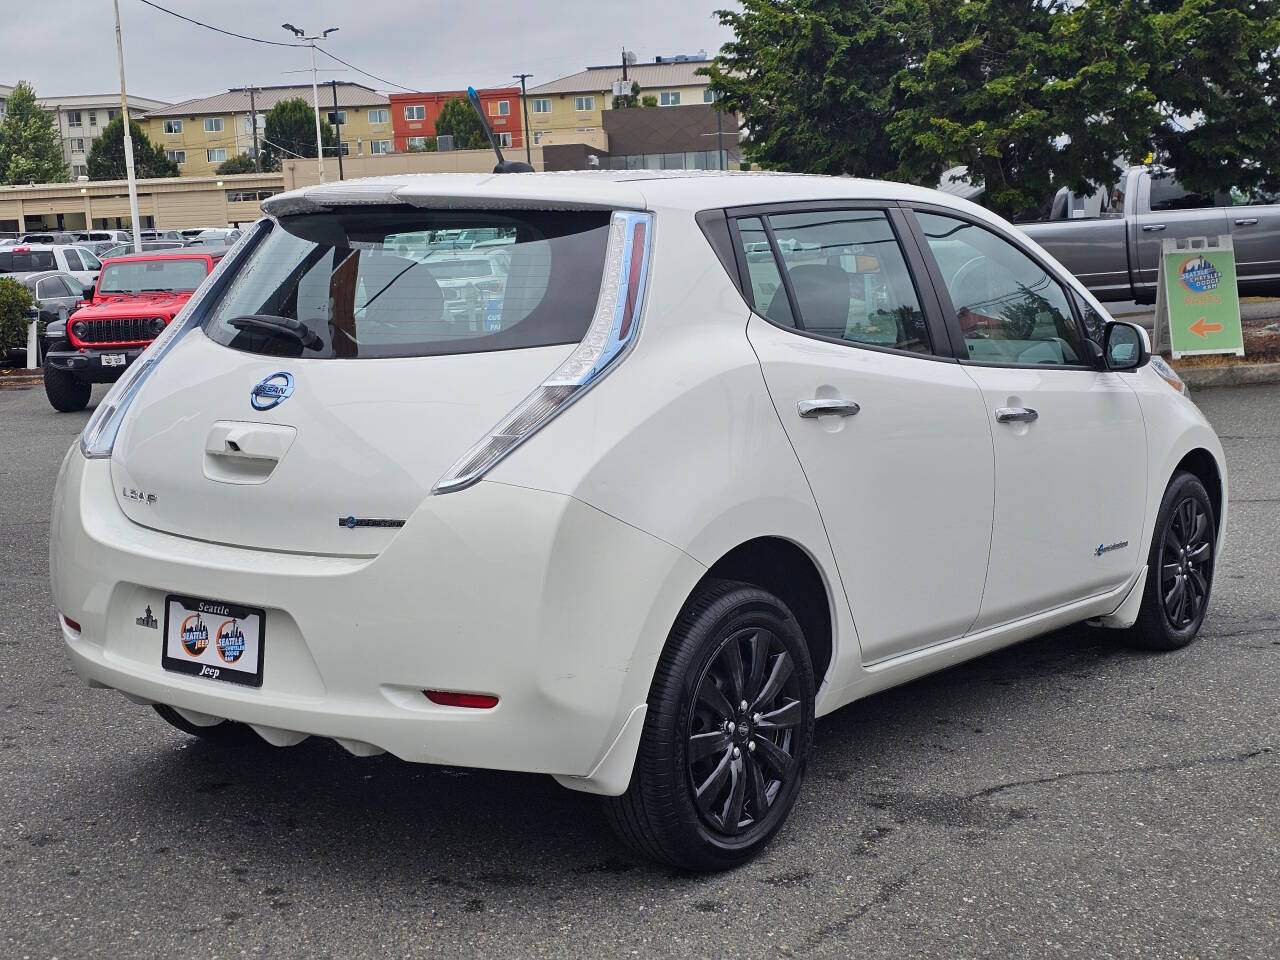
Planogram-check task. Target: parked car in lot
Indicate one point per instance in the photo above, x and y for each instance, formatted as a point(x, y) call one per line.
point(100, 236)
point(641, 529)
point(160, 235)
point(125, 249)
point(134, 300)
point(55, 296)
point(214, 238)
point(1111, 240)
point(80, 263)
point(47, 238)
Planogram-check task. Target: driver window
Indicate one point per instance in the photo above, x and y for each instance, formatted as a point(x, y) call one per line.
point(1008, 308)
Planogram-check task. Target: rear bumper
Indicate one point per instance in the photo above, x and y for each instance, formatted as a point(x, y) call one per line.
point(558, 609)
point(87, 364)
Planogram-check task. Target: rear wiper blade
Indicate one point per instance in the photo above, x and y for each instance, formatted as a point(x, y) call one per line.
point(282, 326)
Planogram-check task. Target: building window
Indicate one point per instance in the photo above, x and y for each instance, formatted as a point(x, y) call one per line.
point(177, 156)
point(112, 114)
point(173, 126)
point(378, 147)
point(414, 143)
point(337, 117)
point(584, 103)
point(93, 119)
point(504, 139)
point(500, 108)
point(542, 106)
point(708, 95)
point(345, 149)
point(216, 154)
point(538, 134)
point(379, 115)
point(415, 112)
point(77, 144)
point(73, 118)
point(249, 196)
point(79, 170)
point(669, 99)
point(212, 124)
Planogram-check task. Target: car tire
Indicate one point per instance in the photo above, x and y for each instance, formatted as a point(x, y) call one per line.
point(1179, 568)
point(713, 781)
point(66, 393)
point(228, 731)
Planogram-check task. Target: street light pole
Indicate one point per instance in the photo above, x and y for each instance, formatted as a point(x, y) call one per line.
point(315, 87)
point(524, 103)
point(128, 144)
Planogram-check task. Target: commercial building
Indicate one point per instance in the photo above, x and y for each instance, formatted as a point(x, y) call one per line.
point(695, 137)
point(81, 118)
point(198, 135)
point(414, 115)
point(571, 109)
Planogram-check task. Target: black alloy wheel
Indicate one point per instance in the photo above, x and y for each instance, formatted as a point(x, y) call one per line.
point(1179, 567)
point(726, 735)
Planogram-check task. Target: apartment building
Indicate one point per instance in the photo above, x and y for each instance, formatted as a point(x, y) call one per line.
point(570, 109)
point(200, 134)
point(81, 118)
point(414, 115)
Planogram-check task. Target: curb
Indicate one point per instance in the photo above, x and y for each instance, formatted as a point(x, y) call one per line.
point(22, 380)
point(1236, 375)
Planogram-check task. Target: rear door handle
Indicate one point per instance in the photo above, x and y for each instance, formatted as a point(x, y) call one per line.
point(1015, 415)
point(1153, 227)
point(1246, 221)
point(835, 406)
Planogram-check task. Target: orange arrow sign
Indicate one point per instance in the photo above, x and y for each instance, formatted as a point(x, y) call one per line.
point(1202, 329)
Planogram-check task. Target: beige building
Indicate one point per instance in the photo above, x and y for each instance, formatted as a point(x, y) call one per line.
point(199, 135)
point(80, 120)
point(570, 109)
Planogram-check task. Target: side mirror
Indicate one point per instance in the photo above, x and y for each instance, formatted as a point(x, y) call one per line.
point(1125, 346)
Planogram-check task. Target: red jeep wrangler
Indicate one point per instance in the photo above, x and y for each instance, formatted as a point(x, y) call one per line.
point(134, 300)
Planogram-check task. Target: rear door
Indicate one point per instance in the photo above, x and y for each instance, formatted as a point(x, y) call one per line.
point(1255, 234)
point(886, 425)
point(1170, 211)
point(1069, 439)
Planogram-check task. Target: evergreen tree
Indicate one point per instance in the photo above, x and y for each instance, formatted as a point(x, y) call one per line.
point(290, 131)
point(458, 119)
point(30, 149)
point(240, 163)
point(106, 156)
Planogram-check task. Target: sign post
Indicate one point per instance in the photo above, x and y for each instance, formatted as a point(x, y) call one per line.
point(1196, 297)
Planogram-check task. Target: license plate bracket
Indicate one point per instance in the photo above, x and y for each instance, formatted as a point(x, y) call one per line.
point(213, 639)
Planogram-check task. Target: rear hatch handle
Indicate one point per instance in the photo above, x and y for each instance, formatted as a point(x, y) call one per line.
point(241, 452)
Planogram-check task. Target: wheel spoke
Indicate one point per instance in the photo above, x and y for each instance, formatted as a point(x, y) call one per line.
point(1200, 587)
point(1199, 553)
point(707, 792)
point(760, 644)
point(1171, 538)
point(731, 657)
point(779, 675)
point(759, 795)
point(703, 745)
point(1199, 522)
point(714, 698)
point(773, 756)
point(1169, 571)
point(1174, 597)
point(780, 719)
point(737, 794)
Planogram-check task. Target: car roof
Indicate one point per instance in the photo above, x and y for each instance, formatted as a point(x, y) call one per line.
point(581, 189)
point(36, 275)
point(172, 253)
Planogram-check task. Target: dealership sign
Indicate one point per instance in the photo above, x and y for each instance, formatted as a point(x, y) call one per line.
point(1196, 296)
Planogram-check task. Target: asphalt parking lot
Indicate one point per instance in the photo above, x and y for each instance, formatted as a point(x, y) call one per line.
point(1065, 798)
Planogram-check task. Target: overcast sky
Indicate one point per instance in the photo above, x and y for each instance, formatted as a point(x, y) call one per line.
point(69, 48)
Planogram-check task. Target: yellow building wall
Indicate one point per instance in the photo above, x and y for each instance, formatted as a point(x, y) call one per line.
point(236, 136)
point(565, 124)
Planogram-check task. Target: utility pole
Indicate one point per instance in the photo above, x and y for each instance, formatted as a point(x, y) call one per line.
point(253, 125)
point(524, 103)
point(337, 122)
point(128, 144)
point(315, 89)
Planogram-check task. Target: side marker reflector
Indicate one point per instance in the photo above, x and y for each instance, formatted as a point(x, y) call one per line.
point(447, 698)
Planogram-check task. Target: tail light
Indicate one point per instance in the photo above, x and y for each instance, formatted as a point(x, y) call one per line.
point(613, 330)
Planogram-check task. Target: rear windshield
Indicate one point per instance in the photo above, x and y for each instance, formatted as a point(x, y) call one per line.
point(378, 283)
point(26, 261)
point(154, 276)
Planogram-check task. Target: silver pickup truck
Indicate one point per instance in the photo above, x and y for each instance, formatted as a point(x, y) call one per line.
point(1111, 239)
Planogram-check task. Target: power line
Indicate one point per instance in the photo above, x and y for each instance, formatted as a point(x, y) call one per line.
point(365, 73)
point(207, 26)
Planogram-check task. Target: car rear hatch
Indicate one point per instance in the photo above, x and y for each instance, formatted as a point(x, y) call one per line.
point(321, 422)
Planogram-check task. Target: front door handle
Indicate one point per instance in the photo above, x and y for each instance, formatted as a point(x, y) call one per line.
point(1153, 227)
point(1015, 415)
point(1246, 221)
point(835, 406)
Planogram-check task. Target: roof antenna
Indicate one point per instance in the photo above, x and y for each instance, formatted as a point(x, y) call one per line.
point(503, 166)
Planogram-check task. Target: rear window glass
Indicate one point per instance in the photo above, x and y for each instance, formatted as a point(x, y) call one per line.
point(140, 276)
point(377, 283)
point(26, 261)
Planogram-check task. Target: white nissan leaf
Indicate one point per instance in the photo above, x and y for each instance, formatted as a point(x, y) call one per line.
point(719, 453)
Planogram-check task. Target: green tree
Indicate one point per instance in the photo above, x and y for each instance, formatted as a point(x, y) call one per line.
point(290, 131)
point(459, 120)
point(648, 100)
point(30, 151)
point(15, 301)
point(628, 100)
point(240, 163)
point(1216, 68)
point(106, 156)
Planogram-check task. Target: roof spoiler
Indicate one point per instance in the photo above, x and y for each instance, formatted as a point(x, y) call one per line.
point(503, 165)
